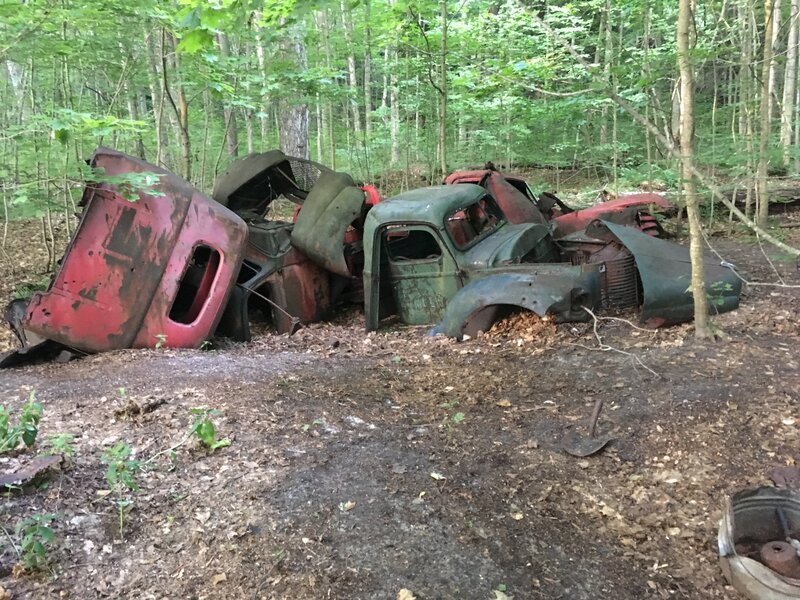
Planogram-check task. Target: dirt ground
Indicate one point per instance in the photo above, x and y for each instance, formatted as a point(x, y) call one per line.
point(361, 465)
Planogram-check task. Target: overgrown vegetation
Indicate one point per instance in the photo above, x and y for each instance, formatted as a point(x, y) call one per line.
point(26, 428)
point(380, 87)
point(121, 475)
point(36, 540)
point(203, 427)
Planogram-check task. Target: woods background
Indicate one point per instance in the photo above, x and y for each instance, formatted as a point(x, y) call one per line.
point(391, 90)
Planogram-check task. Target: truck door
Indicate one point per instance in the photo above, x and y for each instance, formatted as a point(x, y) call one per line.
point(423, 273)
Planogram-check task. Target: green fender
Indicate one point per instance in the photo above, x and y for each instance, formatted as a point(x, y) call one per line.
point(479, 304)
point(666, 273)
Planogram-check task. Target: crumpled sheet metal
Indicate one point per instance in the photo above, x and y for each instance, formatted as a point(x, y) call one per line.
point(666, 273)
point(319, 232)
point(751, 515)
point(475, 307)
point(123, 268)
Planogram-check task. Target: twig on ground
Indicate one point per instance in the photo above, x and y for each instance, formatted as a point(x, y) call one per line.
point(769, 260)
point(782, 284)
point(186, 438)
point(603, 347)
point(11, 540)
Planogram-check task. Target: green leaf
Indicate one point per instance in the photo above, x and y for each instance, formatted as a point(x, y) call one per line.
point(196, 40)
point(62, 135)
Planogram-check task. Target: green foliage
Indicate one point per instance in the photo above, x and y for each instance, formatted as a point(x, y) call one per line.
point(36, 538)
point(127, 185)
point(717, 291)
point(161, 341)
point(120, 475)
point(203, 427)
point(26, 289)
point(60, 444)
point(26, 429)
point(121, 469)
point(515, 94)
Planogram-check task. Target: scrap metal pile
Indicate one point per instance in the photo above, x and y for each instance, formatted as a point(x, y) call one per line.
point(175, 267)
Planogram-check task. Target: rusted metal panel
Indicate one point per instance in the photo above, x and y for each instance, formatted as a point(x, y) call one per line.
point(319, 232)
point(520, 206)
point(119, 282)
point(277, 278)
point(251, 183)
point(665, 270)
point(634, 210)
point(753, 519)
point(562, 294)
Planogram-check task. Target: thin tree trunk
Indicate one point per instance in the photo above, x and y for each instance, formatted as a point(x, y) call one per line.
point(367, 76)
point(181, 106)
point(347, 22)
point(261, 58)
point(293, 116)
point(766, 105)
point(776, 28)
point(790, 84)
point(229, 115)
point(608, 43)
point(702, 329)
point(443, 90)
point(321, 125)
point(394, 104)
point(322, 25)
point(156, 98)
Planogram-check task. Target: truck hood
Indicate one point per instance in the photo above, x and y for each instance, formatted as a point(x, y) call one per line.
point(509, 245)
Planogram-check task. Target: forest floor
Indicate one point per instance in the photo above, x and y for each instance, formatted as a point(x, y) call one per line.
point(361, 465)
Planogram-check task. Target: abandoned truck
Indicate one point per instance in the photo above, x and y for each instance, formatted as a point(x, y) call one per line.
point(520, 205)
point(447, 254)
point(175, 267)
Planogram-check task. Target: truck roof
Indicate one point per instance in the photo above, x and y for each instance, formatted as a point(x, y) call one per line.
point(428, 205)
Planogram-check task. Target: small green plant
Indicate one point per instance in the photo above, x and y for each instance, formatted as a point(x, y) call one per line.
point(27, 288)
point(315, 423)
point(203, 427)
point(35, 539)
point(26, 430)
point(458, 418)
point(122, 470)
point(161, 341)
point(121, 478)
point(206, 346)
point(716, 292)
point(60, 444)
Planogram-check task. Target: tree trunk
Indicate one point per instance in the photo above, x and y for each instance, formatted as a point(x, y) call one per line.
point(443, 91)
point(608, 43)
point(776, 28)
point(180, 106)
point(327, 117)
point(294, 117)
point(347, 22)
point(702, 329)
point(367, 76)
point(229, 115)
point(155, 83)
point(790, 84)
point(766, 106)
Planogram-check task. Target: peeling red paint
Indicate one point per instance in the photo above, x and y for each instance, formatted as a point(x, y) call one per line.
point(123, 268)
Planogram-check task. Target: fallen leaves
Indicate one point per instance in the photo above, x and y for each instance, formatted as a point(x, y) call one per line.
point(219, 578)
point(405, 594)
point(347, 506)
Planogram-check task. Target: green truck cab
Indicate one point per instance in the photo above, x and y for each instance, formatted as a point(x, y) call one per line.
point(448, 255)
